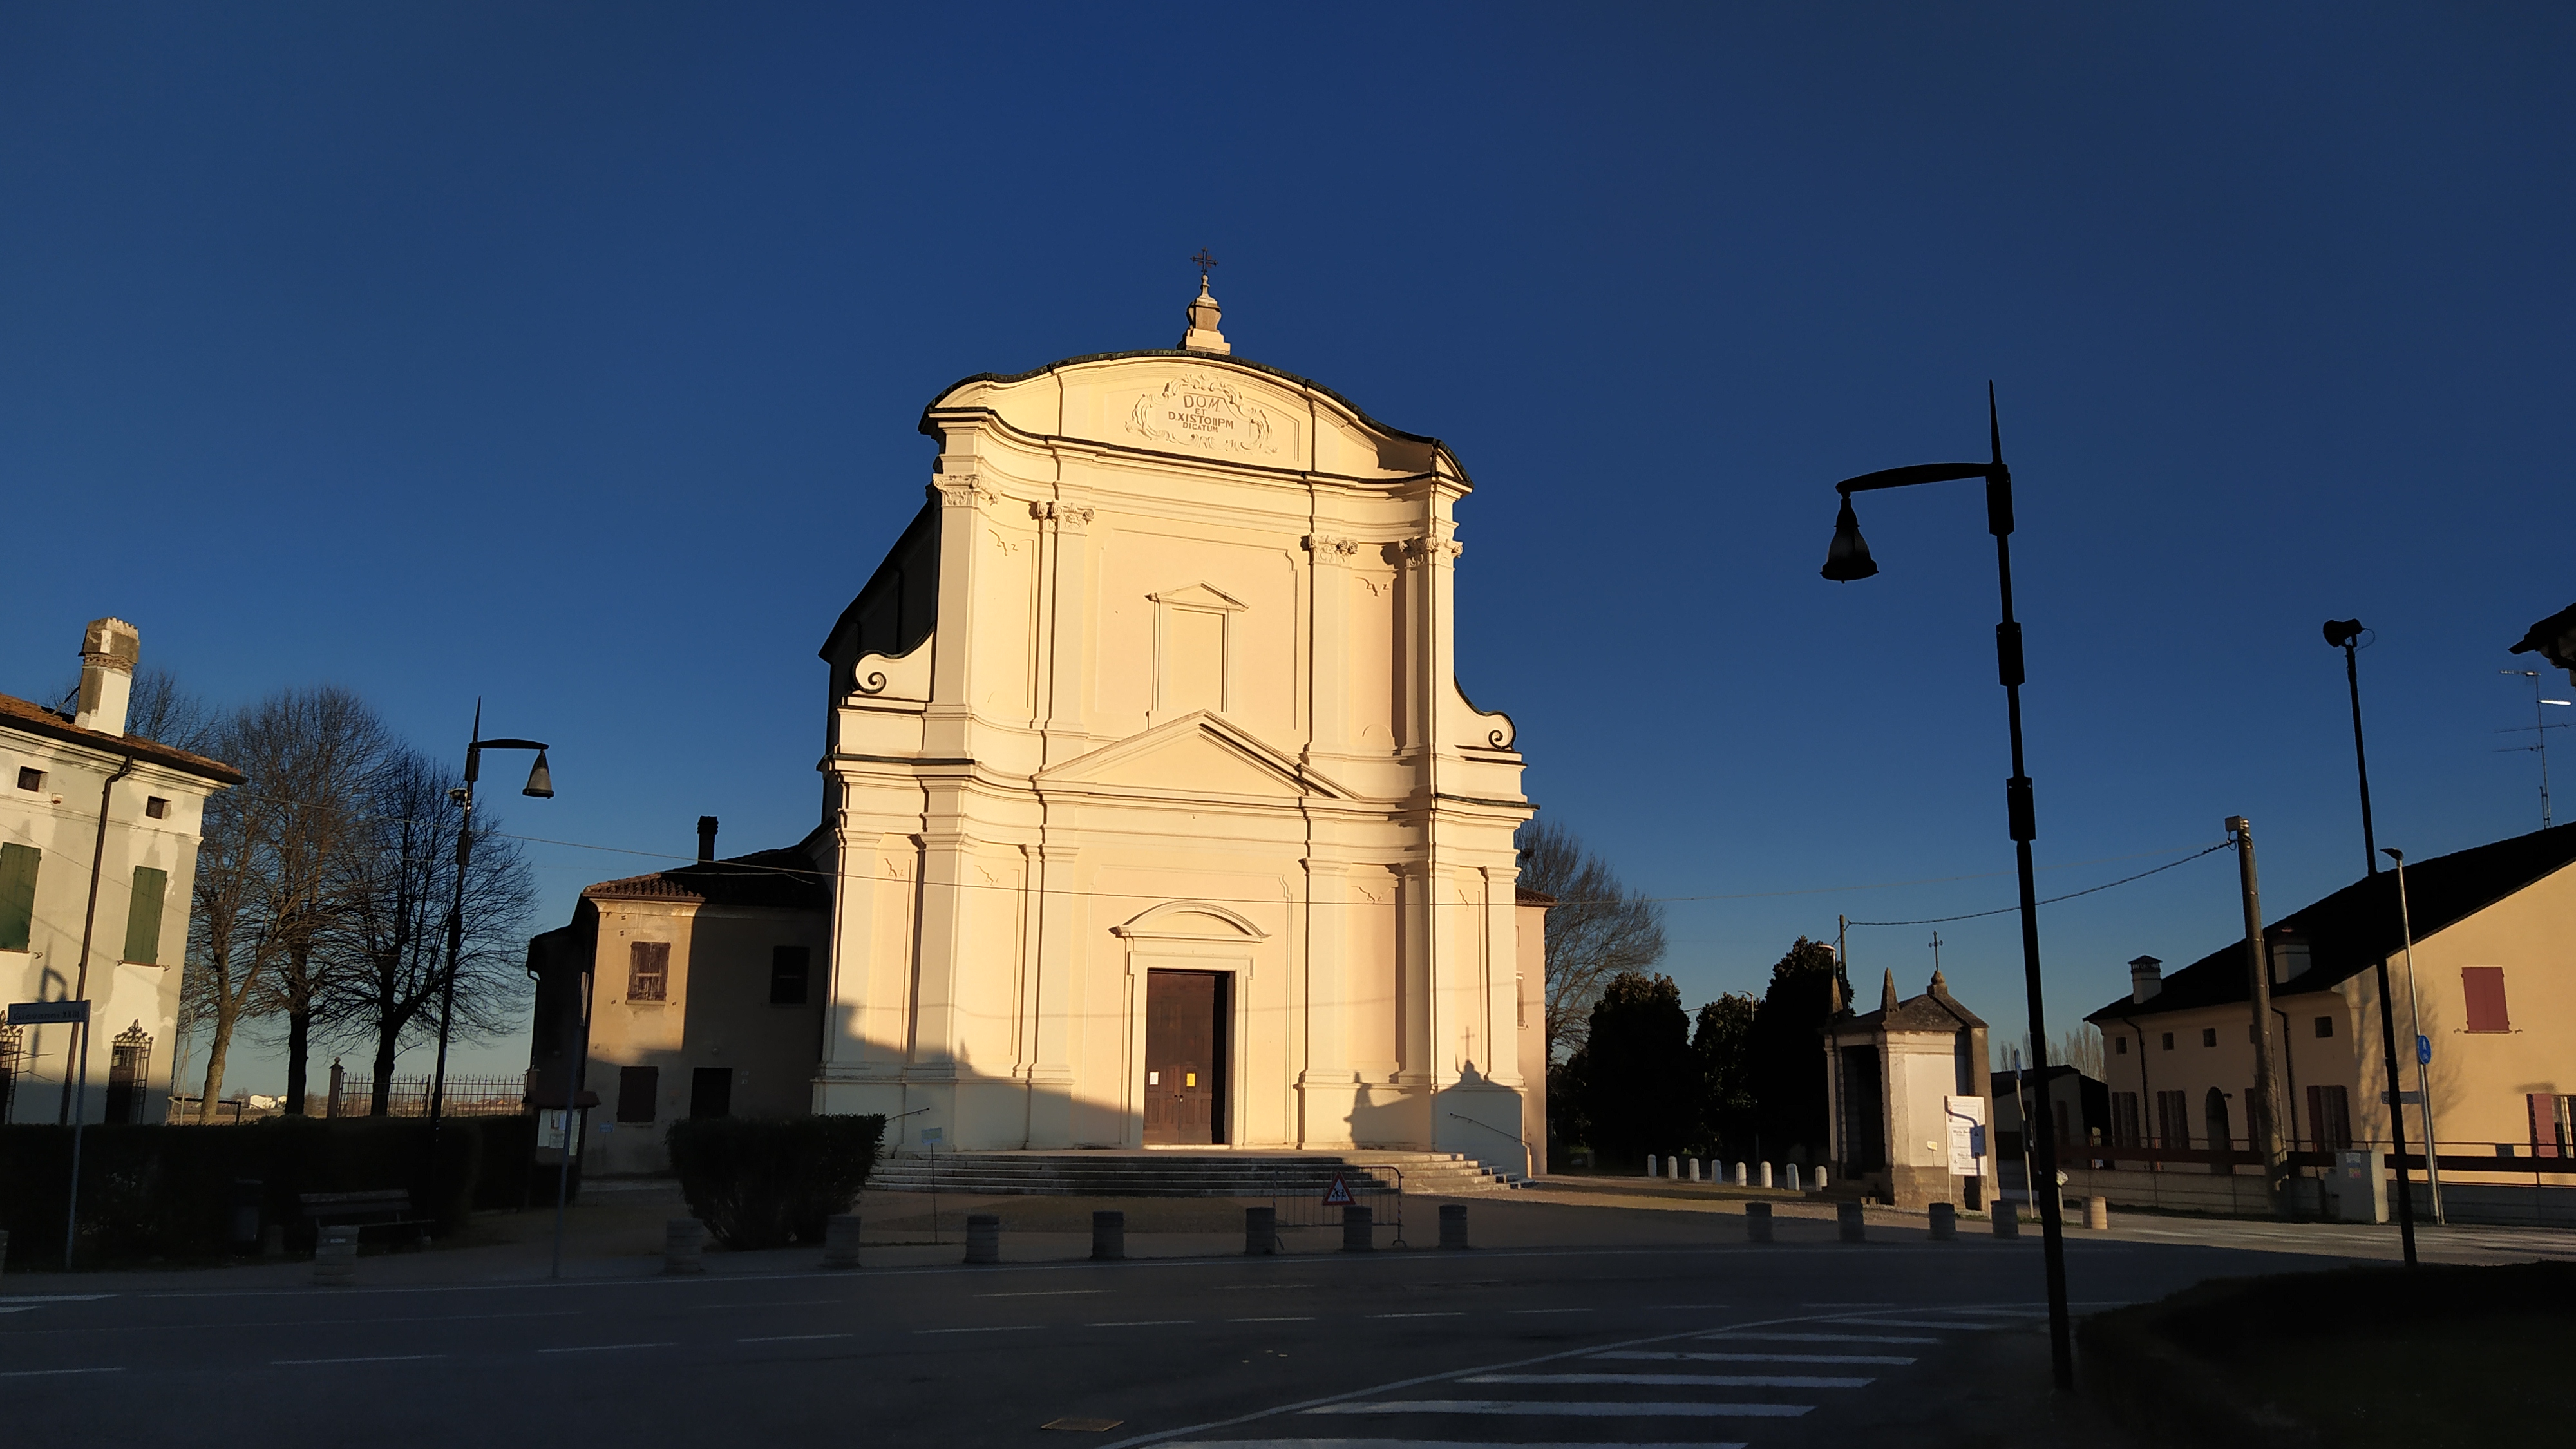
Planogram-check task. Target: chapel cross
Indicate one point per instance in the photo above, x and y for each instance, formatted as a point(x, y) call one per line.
point(1203, 261)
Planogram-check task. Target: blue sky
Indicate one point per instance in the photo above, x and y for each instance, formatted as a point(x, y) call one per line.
point(570, 356)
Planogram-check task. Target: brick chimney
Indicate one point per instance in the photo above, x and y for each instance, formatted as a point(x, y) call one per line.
point(108, 651)
point(2146, 978)
point(706, 837)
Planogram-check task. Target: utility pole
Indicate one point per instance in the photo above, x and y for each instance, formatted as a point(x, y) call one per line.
point(2263, 1122)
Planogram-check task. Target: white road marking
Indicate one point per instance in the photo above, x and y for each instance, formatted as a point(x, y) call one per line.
point(1847, 1305)
point(997, 1328)
point(1910, 1323)
point(16, 1308)
point(1142, 1323)
point(1586, 1411)
point(1753, 1337)
point(790, 1337)
point(1551, 1310)
point(1680, 1381)
point(1449, 1313)
point(605, 1347)
point(1047, 1293)
point(1299, 1318)
point(372, 1358)
point(40, 1373)
point(1891, 1359)
point(53, 1297)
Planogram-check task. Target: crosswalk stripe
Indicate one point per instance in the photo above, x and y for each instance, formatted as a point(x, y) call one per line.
point(1579, 1410)
point(1731, 1337)
point(1895, 1360)
point(1680, 1381)
point(1421, 1444)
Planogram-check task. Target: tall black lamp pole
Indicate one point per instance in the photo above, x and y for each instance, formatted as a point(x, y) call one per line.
point(2342, 634)
point(1849, 559)
point(541, 785)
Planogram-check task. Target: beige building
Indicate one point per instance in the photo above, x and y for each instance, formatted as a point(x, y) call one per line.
point(76, 792)
point(2494, 983)
point(1153, 813)
point(1911, 1117)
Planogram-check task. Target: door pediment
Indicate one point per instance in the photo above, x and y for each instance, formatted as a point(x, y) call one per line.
point(1197, 754)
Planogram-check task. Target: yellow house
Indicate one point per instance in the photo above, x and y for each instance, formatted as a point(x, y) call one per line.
point(2493, 987)
point(1153, 813)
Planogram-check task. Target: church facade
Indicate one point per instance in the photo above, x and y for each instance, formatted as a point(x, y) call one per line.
point(1153, 813)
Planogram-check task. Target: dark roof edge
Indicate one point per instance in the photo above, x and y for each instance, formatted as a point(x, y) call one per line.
point(43, 721)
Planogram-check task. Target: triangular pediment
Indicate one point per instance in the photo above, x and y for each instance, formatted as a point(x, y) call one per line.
point(1197, 754)
point(1199, 596)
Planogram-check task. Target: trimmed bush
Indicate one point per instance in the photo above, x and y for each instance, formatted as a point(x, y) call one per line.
point(166, 1191)
point(765, 1182)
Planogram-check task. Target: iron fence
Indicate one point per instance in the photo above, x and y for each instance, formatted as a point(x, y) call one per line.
point(1306, 1198)
point(409, 1097)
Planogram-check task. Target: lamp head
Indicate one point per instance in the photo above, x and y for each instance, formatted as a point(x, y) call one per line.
point(2341, 632)
point(541, 781)
point(1848, 557)
point(2394, 854)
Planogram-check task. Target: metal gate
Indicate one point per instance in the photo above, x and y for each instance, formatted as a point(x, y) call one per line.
point(1299, 1198)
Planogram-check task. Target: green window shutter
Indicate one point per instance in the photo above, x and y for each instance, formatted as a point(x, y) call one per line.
point(143, 917)
point(17, 895)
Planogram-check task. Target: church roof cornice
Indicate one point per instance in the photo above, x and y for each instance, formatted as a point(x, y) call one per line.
point(929, 425)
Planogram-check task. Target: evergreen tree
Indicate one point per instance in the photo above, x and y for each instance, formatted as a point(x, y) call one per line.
point(1721, 1043)
point(1634, 1080)
point(1787, 1051)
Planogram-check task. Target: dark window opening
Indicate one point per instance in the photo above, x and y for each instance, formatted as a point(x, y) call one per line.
point(2120, 1046)
point(787, 971)
point(711, 1092)
point(126, 1072)
point(648, 970)
point(2209, 1035)
point(30, 778)
point(637, 1091)
point(2330, 1117)
point(2325, 1026)
point(156, 808)
point(2168, 1041)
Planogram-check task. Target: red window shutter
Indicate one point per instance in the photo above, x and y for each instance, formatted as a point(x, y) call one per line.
point(2483, 986)
point(2544, 1124)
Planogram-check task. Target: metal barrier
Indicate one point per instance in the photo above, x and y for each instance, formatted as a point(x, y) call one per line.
point(1299, 1201)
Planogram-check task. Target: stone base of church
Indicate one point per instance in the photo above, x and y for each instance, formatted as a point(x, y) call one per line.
point(1917, 1188)
point(1476, 1117)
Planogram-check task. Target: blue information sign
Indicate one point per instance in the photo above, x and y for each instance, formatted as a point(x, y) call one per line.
point(2423, 1049)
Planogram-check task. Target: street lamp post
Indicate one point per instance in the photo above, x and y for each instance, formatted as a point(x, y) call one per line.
point(540, 785)
point(2342, 634)
point(1848, 559)
point(2423, 1044)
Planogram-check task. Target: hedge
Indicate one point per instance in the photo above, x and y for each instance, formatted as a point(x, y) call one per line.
point(166, 1191)
point(764, 1182)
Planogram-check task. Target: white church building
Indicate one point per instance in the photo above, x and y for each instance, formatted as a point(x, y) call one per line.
point(1153, 812)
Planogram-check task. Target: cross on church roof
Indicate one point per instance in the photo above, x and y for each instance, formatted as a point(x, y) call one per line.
point(1203, 262)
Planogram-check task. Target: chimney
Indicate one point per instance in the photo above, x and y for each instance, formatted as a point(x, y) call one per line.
point(108, 652)
point(706, 837)
point(2288, 951)
point(2146, 978)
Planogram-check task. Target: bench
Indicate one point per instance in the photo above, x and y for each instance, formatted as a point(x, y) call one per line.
point(385, 1208)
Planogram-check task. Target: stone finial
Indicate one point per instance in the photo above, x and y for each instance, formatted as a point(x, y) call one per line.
point(1203, 315)
point(1887, 992)
point(1939, 986)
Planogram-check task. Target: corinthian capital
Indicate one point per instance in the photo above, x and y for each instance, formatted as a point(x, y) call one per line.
point(1328, 549)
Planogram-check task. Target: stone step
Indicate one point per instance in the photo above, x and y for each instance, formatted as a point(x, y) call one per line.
point(1156, 1174)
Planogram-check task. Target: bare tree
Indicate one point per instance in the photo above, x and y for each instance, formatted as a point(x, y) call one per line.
point(229, 945)
point(389, 941)
point(1597, 929)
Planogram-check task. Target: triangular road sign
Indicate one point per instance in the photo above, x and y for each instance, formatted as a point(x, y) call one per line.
point(1338, 1195)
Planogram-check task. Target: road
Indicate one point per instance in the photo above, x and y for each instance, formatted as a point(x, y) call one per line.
point(1796, 1343)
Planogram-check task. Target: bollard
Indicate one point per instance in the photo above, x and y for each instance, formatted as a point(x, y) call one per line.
point(1735, 1176)
point(1855, 1228)
point(1820, 1177)
point(1945, 1222)
point(1108, 1236)
point(1673, 1168)
point(684, 1242)
point(1789, 1177)
point(1260, 1230)
point(1766, 1174)
point(1757, 1222)
point(1453, 1225)
point(335, 1257)
point(1356, 1223)
point(841, 1240)
point(1650, 1164)
point(2097, 1212)
point(2007, 1220)
point(983, 1238)
point(1694, 1176)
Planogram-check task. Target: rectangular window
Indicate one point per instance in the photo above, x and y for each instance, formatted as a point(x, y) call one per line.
point(648, 970)
point(2325, 1026)
point(2549, 1124)
point(787, 967)
point(2124, 1120)
point(2168, 1041)
point(2484, 988)
point(126, 1071)
point(2120, 1046)
point(2173, 1119)
point(30, 778)
point(711, 1092)
point(637, 1088)
point(2330, 1117)
point(155, 808)
point(143, 916)
point(2209, 1035)
point(17, 895)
